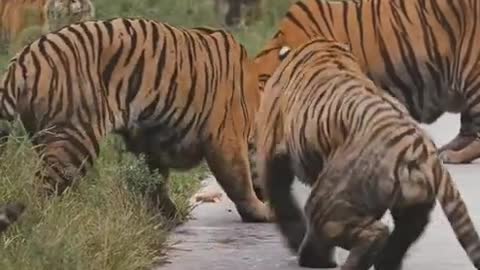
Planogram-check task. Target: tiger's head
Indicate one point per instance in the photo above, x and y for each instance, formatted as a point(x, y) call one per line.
point(291, 34)
point(276, 49)
point(63, 12)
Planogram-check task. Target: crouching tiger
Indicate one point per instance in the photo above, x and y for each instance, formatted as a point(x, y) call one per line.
point(195, 89)
point(324, 121)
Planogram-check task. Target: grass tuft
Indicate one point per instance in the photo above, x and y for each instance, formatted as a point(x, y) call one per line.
point(103, 223)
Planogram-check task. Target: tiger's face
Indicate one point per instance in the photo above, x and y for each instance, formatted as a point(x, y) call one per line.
point(64, 12)
point(73, 10)
point(277, 48)
point(270, 58)
point(69, 7)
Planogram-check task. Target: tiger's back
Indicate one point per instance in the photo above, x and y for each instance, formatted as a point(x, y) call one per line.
point(323, 120)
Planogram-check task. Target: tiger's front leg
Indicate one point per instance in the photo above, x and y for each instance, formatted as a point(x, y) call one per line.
point(229, 164)
point(465, 147)
point(158, 196)
point(140, 141)
point(315, 252)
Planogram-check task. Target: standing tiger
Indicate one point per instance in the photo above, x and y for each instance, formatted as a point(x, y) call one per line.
point(423, 52)
point(196, 90)
point(17, 15)
point(323, 120)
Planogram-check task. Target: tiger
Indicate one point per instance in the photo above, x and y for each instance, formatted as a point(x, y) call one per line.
point(324, 121)
point(17, 15)
point(60, 13)
point(238, 13)
point(421, 52)
point(195, 89)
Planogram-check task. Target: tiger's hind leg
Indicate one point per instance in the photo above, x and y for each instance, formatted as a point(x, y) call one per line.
point(465, 155)
point(343, 224)
point(365, 242)
point(66, 153)
point(279, 177)
point(230, 165)
point(410, 223)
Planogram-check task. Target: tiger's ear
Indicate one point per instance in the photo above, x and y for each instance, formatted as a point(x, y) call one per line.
point(347, 46)
point(283, 52)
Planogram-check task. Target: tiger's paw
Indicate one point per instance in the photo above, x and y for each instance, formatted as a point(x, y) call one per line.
point(462, 156)
point(313, 253)
point(315, 261)
point(257, 213)
point(450, 157)
point(457, 143)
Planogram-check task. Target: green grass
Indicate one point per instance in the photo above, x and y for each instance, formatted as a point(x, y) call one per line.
point(103, 224)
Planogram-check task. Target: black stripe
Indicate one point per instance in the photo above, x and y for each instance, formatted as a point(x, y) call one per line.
point(135, 80)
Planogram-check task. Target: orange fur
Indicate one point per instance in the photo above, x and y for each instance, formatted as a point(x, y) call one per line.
point(16, 15)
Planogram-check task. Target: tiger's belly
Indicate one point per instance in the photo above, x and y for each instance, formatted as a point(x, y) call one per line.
point(307, 166)
point(425, 105)
point(178, 156)
point(165, 148)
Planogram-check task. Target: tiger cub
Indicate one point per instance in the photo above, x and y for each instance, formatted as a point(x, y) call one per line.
point(321, 119)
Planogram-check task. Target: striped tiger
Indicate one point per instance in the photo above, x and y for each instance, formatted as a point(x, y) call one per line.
point(423, 52)
point(195, 89)
point(323, 120)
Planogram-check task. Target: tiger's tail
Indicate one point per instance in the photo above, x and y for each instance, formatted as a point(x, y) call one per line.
point(456, 212)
